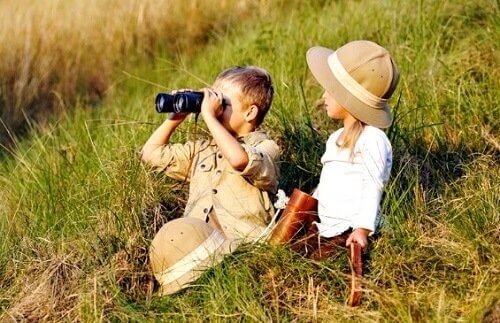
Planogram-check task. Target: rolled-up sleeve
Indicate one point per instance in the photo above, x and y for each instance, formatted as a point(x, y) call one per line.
point(377, 160)
point(175, 159)
point(261, 170)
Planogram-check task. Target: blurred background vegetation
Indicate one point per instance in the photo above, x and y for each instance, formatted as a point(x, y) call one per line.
point(77, 210)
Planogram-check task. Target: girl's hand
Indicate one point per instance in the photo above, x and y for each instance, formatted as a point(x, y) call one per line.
point(212, 103)
point(359, 236)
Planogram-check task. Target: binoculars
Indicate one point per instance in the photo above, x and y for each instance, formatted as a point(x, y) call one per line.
point(187, 102)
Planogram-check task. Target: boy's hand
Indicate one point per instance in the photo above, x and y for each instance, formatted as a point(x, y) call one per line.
point(177, 117)
point(212, 103)
point(360, 236)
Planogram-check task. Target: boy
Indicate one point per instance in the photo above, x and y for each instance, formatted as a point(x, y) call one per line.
point(232, 175)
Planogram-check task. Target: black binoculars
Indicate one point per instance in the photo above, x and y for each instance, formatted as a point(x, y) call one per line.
point(186, 101)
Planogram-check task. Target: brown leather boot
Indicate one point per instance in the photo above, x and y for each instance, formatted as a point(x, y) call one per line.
point(296, 228)
point(322, 248)
point(356, 274)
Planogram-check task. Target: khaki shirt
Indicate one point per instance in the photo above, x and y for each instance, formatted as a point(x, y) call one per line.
point(235, 201)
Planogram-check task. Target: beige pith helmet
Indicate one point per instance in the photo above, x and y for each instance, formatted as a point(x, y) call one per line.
point(182, 250)
point(360, 75)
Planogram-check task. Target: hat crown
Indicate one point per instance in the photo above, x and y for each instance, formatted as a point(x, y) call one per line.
point(360, 75)
point(176, 239)
point(371, 66)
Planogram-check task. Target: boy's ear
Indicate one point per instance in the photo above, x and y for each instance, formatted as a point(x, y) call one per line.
point(251, 113)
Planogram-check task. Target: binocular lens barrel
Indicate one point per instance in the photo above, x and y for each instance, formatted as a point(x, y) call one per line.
point(164, 102)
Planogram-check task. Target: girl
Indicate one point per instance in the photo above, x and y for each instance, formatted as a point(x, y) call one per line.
point(358, 79)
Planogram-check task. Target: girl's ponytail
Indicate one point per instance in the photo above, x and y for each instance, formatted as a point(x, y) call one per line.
point(351, 136)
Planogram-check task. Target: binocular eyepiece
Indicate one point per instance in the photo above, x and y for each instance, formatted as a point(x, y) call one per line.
point(187, 102)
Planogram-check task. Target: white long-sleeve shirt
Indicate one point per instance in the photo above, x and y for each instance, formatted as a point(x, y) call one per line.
point(350, 189)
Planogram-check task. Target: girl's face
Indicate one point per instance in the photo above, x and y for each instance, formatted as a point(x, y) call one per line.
point(333, 109)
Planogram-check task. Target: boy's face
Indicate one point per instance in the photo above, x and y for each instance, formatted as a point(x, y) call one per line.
point(333, 109)
point(233, 117)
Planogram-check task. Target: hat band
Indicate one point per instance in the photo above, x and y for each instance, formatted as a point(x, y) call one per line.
point(192, 259)
point(352, 85)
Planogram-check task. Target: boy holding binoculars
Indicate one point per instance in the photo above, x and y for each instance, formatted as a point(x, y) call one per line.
point(232, 174)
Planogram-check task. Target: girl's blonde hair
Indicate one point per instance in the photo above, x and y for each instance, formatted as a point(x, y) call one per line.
point(351, 136)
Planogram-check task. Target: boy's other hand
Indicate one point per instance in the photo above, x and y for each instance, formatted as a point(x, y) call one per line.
point(177, 117)
point(360, 236)
point(212, 103)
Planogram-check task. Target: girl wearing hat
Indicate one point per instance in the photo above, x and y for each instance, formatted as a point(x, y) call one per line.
point(358, 79)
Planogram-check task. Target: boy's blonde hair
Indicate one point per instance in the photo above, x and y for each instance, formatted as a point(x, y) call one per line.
point(255, 85)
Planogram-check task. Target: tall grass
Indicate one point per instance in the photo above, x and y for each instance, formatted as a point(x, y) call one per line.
point(78, 210)
point(54, 51)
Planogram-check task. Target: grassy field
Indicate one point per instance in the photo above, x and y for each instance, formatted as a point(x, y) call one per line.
point(55, 52)
point(78, 210)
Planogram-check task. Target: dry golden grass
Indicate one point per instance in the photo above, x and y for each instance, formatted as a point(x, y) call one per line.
point(53, 51)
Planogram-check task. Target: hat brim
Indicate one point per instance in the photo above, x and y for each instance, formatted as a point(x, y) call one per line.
point(185, 280)
point(317, 60)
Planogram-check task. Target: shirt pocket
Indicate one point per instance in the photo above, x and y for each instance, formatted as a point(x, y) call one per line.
point(206, 164)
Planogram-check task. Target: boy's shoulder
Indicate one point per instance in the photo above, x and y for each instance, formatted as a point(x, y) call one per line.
point(255, 137)
point(263, 140)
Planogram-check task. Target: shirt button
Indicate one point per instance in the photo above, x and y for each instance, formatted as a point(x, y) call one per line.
point(214, 191)
point(219, 155)
point(218, 172)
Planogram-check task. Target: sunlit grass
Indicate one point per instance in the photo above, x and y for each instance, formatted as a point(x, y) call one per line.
point(56, 51)
point(78, 209)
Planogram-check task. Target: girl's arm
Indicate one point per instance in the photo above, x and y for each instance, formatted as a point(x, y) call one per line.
point(376, 154)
